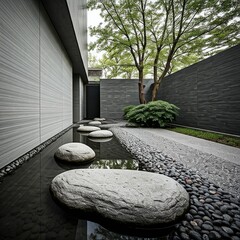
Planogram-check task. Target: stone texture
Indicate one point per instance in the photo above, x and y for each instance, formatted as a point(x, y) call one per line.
point(133, 198)
point(75, 153)
point(100, 140)
point(99, 119)
point(94, 123)
point(101, 134)
point(210, 204)
point(88, 129)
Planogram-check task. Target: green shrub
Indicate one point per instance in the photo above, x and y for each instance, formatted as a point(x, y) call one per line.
point(152, 114)
point(127, 109)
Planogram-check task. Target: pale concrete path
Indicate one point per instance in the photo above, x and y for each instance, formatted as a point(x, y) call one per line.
point(217, 162)
point(225, 152)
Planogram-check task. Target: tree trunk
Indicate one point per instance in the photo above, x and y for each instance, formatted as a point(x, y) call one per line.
point(155, 91)
point(155, 75)
point(141, 86)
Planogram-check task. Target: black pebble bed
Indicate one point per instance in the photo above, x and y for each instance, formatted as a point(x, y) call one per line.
point(213, 213)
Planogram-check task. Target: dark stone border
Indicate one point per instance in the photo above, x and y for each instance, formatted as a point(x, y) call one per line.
point(15, 164)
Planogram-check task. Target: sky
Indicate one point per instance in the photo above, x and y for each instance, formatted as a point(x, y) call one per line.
point(93, 19)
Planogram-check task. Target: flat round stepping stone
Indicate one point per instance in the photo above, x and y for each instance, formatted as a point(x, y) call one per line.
point(133, 198)
point(77, 153)
point(88, 129)
point(94, 123)
point(100, 134)
point(100, 139)
point(99, 119)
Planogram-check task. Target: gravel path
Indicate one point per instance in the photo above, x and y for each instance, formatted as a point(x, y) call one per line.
point(216, 164)
point(214, 213)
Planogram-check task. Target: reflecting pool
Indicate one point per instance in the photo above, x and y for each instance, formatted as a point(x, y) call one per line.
point(27, 210)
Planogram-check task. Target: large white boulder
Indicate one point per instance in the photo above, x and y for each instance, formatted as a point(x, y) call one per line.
point(77, 153)
point(133, 198)
point(100, 134)
point(94, 123)
point(88, 129)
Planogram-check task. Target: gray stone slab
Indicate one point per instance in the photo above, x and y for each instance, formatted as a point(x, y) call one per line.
point(129, 197)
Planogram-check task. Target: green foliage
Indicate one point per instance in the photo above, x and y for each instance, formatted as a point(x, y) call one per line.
point(127, 109)
point(215, 137)
point(187, 31)
point(153, 114)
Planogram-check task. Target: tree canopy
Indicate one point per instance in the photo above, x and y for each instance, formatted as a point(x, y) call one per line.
point(164, 34)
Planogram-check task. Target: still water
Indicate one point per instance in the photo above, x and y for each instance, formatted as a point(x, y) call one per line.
point(27, 210)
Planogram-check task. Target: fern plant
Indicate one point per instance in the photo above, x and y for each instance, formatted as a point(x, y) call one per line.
point(152, 114)
point(127, 109)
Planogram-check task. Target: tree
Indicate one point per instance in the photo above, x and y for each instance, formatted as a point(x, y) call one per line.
point(162, 33)
point(117, 64)
point(124, 29)
point(183, 27)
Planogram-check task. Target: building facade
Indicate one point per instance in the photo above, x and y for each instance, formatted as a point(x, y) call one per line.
point(43, 71)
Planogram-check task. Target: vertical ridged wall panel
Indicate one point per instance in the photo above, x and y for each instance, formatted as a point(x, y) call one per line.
point(56, 82)
point(35, 79)
point(19, 78)
point(67, 113)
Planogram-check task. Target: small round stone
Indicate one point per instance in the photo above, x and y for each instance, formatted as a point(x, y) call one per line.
point(228, 230)
point(78, 153)
point(100, 134)
point(99, 119)
point(207, 227)
point(94, 123)
point(214, 235)
point(195, 235)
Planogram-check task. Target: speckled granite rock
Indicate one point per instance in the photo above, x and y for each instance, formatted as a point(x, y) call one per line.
point(100, 134)
point(75, 153)
point(134, 198)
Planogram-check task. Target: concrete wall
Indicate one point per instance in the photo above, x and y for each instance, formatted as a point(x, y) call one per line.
point(115, 94)
point(79, 19)
point(78, 99)
point(208, 93)
point(35, 79)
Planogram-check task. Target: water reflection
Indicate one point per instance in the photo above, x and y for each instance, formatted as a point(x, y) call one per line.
point(27, 210)
point(97, 232)
point(115, 164)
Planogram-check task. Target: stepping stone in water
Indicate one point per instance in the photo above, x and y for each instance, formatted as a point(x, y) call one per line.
point(100, 134)
point(94, 123)
point(134, 199)
point(88, 129)
point(99, 119)
point(77, 153)
point(100, 139)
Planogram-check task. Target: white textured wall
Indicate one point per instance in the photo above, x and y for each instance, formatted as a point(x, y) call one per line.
point(56, 82)
point(35, 79)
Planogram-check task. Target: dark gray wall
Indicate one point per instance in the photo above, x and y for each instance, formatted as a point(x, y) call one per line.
point(208, 93)
point(115, 94)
